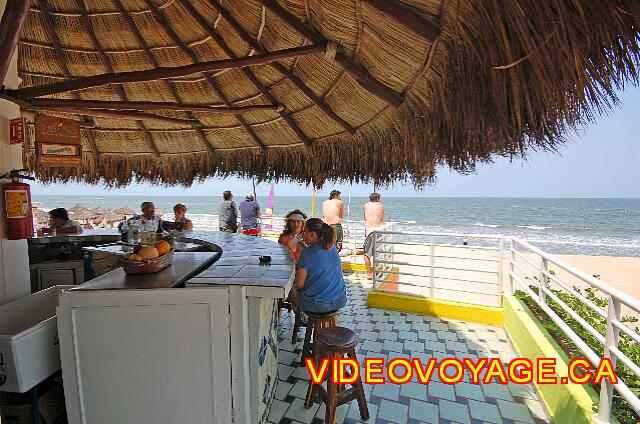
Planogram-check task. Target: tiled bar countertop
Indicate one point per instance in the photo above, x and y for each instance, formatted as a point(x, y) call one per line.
point(231, 260)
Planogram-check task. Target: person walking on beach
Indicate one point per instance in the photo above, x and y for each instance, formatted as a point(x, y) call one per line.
point(373, 217)
point(249, 214)
point(228, 214)
point(333, 213)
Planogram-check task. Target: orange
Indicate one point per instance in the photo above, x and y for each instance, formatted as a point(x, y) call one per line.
point(148, 252)
point(163, 247)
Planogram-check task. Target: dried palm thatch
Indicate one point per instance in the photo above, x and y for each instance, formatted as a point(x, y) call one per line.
point(125, 210)
point(398, 88)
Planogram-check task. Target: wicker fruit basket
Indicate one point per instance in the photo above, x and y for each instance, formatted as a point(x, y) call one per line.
point(148, 266)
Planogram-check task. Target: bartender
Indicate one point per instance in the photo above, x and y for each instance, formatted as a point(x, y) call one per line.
point(148, 219)
point(59, 223)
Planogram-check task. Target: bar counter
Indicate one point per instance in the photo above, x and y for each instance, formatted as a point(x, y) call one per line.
point(195, 342)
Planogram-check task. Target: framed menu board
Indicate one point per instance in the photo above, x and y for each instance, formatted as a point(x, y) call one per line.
point(58, 141)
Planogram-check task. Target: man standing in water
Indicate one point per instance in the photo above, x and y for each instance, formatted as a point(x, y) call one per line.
point(333, 212)
point(373, 217)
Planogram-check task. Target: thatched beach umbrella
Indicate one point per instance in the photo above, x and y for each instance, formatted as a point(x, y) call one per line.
point(78, 209)
point(374, 90)
point(41, 216)
point(125, 211)
point(99, 211)
point(108, 217)
point(83, 215)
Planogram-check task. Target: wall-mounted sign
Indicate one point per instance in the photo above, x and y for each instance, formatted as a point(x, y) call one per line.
point(16, 131)
point(58, 141)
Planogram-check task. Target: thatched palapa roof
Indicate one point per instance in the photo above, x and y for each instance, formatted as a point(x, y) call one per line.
point(334, 89)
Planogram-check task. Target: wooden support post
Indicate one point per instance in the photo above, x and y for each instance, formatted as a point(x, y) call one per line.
point(14, 16)
point(161, 73)
point(356, 71)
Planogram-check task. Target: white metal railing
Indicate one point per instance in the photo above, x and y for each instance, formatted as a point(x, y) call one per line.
point(534, 265)
point(422, 262)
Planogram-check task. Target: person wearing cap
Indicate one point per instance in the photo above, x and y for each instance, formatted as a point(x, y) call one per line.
point(291, 236)
point(249, 214)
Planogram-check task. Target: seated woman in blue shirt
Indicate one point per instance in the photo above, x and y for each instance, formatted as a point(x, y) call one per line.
point(319, 270)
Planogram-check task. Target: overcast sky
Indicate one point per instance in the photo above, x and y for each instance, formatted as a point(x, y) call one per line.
point(603, 160)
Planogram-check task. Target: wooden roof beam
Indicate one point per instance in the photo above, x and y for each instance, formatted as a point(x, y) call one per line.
point(119, 114)
point(408, 18)
point(14, 16)
point(105, 59)
point(248, 72)
point(353, 69)
point(163, 72)
point(276, 65)
point(165, 24)
point(92, 142)
point(129, 105)
point(174, 92)
point(49, 27)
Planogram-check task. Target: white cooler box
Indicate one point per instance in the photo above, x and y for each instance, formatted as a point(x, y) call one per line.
point(29, 351)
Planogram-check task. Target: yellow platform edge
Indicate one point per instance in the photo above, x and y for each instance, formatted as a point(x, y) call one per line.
point(439, 308)
point(567, 403)
point(350, 266)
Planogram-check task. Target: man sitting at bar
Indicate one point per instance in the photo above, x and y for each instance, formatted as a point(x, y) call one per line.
point(61, 224)
point(148, 219)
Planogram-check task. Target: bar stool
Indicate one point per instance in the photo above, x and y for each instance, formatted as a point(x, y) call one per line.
point(297, 323)
point(333, 343)
point(315, 323)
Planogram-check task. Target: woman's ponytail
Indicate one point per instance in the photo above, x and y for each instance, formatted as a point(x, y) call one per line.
point(326, 233)
point(328, 237)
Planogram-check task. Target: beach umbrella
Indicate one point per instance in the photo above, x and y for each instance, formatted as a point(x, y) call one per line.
point(100, 211)
point(78, 208)
point(159, 212)
point(41, 216)
point(125, 211)
point(83, 215)
point(108, 217)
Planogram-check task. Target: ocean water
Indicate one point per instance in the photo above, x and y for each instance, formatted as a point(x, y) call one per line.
point(609, 227)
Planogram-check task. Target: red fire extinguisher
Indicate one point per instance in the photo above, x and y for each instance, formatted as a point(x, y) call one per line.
point(17, 204)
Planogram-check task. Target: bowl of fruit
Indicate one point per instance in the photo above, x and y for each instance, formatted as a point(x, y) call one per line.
point(148, 259)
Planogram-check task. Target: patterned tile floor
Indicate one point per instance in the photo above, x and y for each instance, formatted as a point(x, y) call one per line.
point(385, 333)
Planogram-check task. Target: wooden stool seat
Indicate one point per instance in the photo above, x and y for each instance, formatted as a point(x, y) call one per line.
point(315, 323)
point(339, 338)
point(333, 343)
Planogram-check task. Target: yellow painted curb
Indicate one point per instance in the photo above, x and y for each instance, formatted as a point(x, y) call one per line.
point(567, 403)
point(439, 308)
point(350, 266)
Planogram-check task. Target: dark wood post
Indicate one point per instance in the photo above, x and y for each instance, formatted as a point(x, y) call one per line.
point(14, 16)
